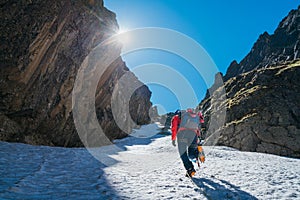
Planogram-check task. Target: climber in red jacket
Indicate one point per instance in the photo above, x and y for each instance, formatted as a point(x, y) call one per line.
point(186, 126)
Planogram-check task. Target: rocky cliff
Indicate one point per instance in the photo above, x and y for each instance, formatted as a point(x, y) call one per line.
point(43, 45)
point(262, 95)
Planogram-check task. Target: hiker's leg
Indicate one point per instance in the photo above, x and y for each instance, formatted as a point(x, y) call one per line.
point(182, 148)
point(192, 148)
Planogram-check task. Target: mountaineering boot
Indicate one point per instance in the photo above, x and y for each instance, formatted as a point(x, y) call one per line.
point(201, 154)
point(190, 172)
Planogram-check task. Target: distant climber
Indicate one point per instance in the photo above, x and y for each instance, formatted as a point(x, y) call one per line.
point(188, 126)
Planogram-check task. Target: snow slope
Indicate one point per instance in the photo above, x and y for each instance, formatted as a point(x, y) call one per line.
point(143, 167)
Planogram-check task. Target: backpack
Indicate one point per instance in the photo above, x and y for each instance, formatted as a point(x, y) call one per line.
point(189, 120)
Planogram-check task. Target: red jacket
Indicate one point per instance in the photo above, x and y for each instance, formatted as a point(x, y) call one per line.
point(175, 123)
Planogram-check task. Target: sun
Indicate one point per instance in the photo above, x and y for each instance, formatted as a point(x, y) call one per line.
point(123, 36)
point(122, 30)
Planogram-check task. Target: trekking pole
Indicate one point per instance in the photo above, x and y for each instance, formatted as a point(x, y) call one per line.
point(198, 163)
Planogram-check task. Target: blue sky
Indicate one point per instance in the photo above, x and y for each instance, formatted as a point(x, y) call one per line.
point(225, 29)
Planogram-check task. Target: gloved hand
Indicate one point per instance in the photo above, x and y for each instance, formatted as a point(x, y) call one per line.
point(203, 133)
point(173, 143)
point(201, 142)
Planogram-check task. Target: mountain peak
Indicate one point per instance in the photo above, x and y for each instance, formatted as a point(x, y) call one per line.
point(281, 46)
point(289, 21)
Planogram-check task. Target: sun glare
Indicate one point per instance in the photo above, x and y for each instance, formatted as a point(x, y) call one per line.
point(122, 30)
point(123, 36)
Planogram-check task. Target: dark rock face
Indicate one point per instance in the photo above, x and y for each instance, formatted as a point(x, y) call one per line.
point(262, 95)
point(280, 47)
point(263, 111)
point(43, 44)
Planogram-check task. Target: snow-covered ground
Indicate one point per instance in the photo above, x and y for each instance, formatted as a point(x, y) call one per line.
point(143, 167)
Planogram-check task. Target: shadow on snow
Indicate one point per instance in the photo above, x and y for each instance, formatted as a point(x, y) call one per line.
point(41, 172)
point(223, 190)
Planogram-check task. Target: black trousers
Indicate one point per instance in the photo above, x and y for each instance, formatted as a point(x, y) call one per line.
point(187, 147)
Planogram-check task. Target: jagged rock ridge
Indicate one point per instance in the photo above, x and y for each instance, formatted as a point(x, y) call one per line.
point(268, 50)
point(262, 95)
point(43, 44)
